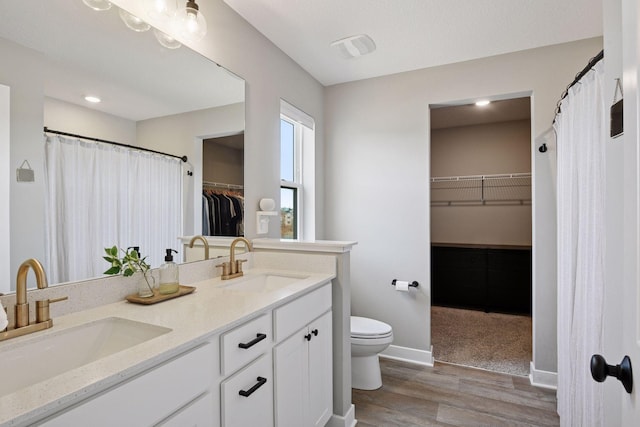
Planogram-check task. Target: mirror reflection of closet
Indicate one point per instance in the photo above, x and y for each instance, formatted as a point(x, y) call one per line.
point(223, 181)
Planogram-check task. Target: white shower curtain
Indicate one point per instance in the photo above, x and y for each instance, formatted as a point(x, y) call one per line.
point(581, 139)
point(99, 195)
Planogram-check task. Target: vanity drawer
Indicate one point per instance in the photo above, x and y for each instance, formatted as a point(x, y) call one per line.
point(247, 397)
point(245, 343)
point(294, 315)
point(148, 398)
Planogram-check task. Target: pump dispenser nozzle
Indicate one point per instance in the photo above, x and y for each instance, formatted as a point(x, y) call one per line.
point(137, 249)
point(169, 255)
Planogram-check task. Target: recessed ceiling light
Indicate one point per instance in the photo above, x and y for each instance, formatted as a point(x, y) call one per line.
point(483, 102)
point(93, 99)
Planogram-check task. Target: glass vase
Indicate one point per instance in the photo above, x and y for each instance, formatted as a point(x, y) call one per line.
point(146, 284)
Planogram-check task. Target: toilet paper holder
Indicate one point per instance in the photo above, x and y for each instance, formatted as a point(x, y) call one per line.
point(413, 284)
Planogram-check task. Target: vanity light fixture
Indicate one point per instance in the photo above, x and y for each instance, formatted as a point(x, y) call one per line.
point(98, 5)
point(166, 40)
point(133, 22)
point(92, 99)
point(162, 10)
point(483, 103)
point(190, 22)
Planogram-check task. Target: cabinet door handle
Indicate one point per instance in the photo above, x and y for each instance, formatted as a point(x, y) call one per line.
point(315, 332)
point(260, 383)
point(253, 342)
point(307, 337)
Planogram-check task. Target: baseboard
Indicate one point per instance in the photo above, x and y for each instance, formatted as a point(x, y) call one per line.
point(544, 379)
point(411, 355)
point(348, 420)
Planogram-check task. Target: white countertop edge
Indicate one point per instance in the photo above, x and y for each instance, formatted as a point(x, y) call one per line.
point(329, 246)
point(34, 402)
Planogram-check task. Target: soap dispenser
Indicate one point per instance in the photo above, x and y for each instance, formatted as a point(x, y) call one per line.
point(169, 274)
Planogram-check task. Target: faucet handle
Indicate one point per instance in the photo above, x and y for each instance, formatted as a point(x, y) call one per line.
point(42, 308)
point(225, 268)
point(239, 265)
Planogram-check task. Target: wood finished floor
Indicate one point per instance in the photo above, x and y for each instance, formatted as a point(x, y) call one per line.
point(452, 395)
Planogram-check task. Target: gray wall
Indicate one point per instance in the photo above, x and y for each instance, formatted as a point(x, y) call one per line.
point(377, 143)
point(486, 149)
point(223, 163)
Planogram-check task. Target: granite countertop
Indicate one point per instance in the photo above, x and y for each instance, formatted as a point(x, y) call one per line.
point(192, 318)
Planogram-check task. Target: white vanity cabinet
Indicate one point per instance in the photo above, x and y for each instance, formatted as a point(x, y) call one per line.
point(275, 369)
point(303, 361)
point(171, 390)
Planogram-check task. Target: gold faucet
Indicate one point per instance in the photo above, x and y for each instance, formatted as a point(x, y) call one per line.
point(206, 245)
point(43, 319)
point(233, 268)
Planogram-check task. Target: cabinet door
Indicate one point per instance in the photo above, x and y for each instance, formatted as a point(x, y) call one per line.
point(148, 398)
point(291, 376)
point(320, 402)
point(198, 413)
point(459, 277)
point(254, 406)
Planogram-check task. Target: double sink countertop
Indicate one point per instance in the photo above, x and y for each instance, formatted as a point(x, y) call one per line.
point(215, 306)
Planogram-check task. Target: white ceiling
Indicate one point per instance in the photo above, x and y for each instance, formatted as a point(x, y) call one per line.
point(414, 34)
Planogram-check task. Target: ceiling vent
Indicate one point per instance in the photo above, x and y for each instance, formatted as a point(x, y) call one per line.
point(354, 46)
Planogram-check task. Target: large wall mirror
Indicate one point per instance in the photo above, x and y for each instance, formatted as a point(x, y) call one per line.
point(54, 53)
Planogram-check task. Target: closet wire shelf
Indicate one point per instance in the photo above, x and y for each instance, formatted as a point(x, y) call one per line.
point(513, 188)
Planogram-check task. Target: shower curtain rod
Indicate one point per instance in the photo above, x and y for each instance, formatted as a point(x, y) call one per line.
point(57, 132)
point(592, 62)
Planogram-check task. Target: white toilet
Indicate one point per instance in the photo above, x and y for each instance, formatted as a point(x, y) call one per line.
point(368, 338)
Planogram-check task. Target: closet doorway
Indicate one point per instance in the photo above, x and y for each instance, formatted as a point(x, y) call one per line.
point(481, 216)
point(223, 186)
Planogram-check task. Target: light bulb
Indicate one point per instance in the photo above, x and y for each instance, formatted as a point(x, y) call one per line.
point(98, 5)
point(162, 10)
point(166, 40)
point(191, 24)
point(133, 22)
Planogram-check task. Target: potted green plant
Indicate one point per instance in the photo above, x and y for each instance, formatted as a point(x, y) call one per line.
point(130, 264)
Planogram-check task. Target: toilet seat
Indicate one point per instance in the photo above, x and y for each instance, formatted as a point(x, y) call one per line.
point(365, 328)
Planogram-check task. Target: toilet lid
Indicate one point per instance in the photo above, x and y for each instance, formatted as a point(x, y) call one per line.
point(365, 327)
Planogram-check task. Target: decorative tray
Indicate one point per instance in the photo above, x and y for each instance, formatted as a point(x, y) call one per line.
point(158, 297)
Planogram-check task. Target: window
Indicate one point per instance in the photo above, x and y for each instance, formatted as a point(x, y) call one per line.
point(290, 186)
point(296, 173)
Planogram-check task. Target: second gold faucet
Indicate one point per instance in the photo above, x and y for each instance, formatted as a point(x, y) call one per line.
point(233, 268)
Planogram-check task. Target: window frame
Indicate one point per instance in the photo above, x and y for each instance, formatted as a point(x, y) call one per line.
point(297, 184)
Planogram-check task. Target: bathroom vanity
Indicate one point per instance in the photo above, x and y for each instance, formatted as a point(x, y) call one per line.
point(255, 350)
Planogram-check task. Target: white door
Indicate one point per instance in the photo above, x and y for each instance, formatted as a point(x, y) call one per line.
point(622, 305)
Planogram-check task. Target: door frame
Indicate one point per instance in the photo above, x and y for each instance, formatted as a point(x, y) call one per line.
point(543, 379)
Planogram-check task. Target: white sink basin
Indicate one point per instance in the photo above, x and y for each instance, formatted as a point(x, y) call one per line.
point(263, 283)
point(39, 359)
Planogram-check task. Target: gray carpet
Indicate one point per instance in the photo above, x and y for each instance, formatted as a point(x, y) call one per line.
point(492, 341)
